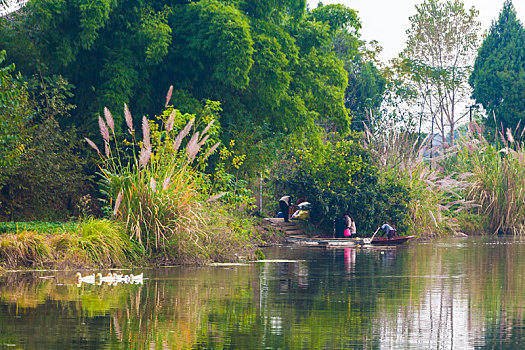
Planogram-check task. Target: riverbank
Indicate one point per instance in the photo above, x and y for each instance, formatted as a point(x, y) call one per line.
point(105, 244)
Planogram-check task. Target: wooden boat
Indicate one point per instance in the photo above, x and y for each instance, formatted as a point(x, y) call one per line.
point(334, 242)
point(321, 241)
point(392, 241)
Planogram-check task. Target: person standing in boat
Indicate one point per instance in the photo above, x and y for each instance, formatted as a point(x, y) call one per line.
point(284, 203)
point(350, 226)
point(388, 230)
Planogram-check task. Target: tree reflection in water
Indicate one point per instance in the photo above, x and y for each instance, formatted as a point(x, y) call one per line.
point(446, 294)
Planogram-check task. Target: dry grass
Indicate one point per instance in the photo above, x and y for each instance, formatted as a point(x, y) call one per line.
point(24, 249)
point(91, 243)
point(435, 197)
point(497, 173)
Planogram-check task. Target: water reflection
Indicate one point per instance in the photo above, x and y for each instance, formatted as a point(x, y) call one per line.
point(444, 295)
point(350, 256)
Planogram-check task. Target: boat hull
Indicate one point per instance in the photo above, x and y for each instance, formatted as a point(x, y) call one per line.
point(392, 241)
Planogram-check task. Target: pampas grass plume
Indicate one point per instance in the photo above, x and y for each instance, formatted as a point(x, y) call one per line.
point(166, 183)
point(145, 132)
point(129, 119)
point(103, 129)
point(211, 150)
point(109, 119)
point(145, 155)
point(168, 95)
point(182, 135)
point(208, 127)
point(92, 144)
point(117, 203)
point(192, 148)
point(171, 120)
point(203, 141)
point(214, 198)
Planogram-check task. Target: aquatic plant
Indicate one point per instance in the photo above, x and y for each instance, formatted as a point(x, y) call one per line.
point(105, 243)
point(435, 197)
point(157, 186)
point(24, 249)
point(497, 173)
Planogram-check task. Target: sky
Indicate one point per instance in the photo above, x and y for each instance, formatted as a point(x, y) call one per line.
point(387, 20)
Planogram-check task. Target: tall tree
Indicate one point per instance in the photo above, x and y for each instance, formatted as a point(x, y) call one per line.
point(438, 58)
point(264, 61)
point(498, 78)
point(15, 116)
point(366, 85)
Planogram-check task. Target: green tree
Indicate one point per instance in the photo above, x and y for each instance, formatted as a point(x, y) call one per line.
point(337, 176)
point(15, 116)
point(366, 85)
point(498, 78)
point(268, 63)
point(438, 59)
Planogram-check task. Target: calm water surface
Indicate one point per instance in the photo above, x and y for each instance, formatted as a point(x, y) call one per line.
point(450, 294)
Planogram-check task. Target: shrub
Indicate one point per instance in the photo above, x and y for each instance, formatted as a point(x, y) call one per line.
point(497, 174)
point(337, 177)
point(105, 242)
point(157, 187)
point(24, 249)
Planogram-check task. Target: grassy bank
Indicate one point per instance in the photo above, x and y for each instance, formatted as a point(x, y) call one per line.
point(88, 243)
point(104, 243)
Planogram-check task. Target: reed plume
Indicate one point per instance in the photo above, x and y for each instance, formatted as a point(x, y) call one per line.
point(109, 119)
point(168, 95)
point(145, 133)
point(129, 119)
point(92, 144)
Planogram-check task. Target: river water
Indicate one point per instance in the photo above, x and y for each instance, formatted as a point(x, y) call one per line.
point(446, 294)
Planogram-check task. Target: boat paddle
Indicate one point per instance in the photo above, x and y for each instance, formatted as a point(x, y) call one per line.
point(369, 240)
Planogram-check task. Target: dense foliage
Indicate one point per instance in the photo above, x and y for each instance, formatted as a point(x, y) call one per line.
point(286, 91)
point(337, 177)
point(498, 78)
point(44, 172)
point(271, 66)
point(15, 116)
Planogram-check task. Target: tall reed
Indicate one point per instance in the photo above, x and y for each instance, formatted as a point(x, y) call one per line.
point(156, 194)
point(435, 197)
point(497, 173)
